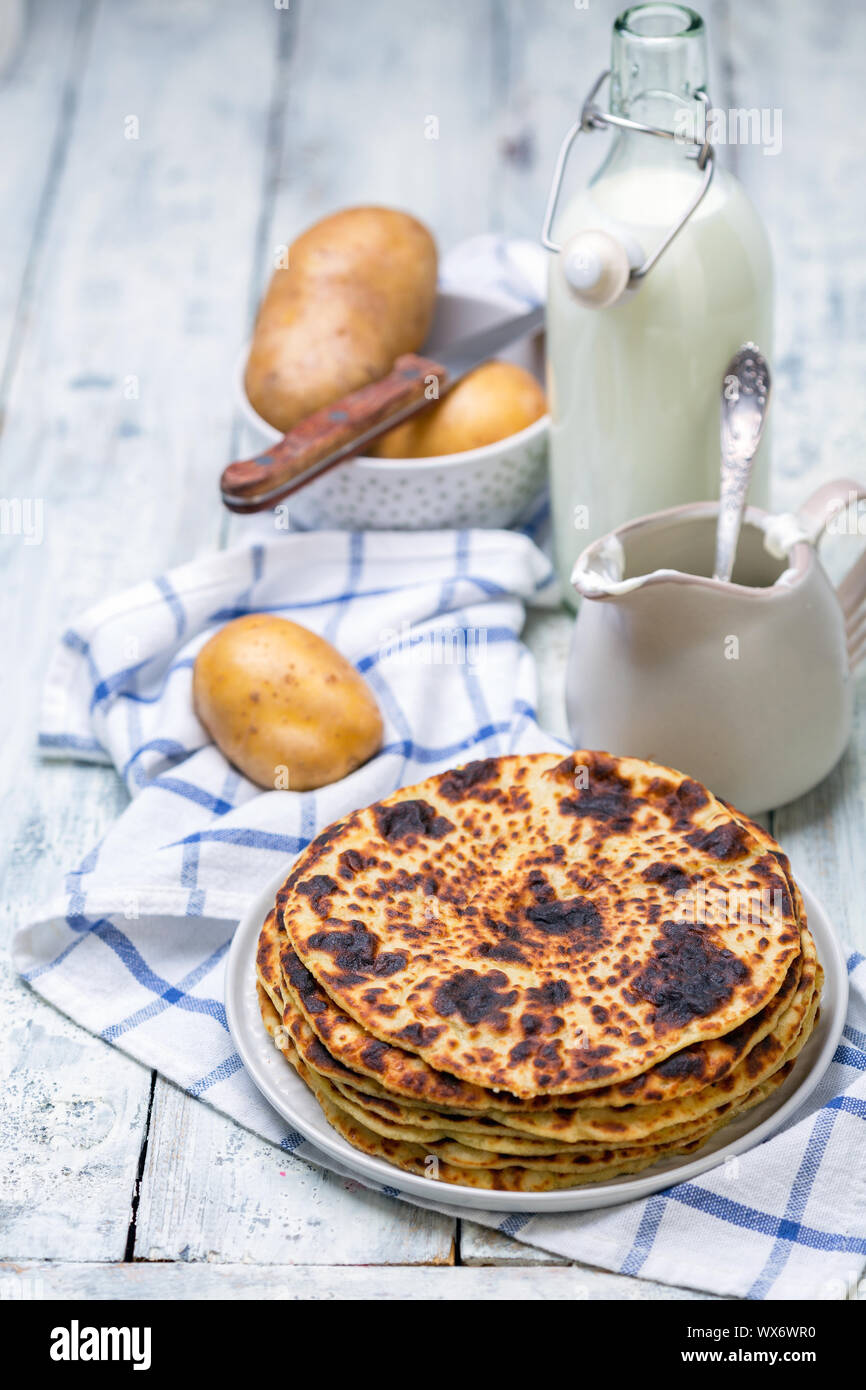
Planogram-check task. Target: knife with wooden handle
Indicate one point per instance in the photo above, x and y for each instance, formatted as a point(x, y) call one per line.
point(341, 431)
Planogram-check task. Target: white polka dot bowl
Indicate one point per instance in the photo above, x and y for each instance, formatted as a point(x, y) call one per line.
point(488, 487)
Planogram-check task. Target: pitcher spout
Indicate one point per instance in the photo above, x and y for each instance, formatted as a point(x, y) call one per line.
point(677, 547)
point(599, 571)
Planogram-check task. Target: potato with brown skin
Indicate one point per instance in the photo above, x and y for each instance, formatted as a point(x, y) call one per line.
point(490, 403)
point(359, 290)
point(283, 705)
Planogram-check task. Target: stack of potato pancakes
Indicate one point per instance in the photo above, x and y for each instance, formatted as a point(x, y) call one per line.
point(530, 973)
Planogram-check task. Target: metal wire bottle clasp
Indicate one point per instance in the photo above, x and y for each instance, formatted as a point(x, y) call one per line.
point(593, 118)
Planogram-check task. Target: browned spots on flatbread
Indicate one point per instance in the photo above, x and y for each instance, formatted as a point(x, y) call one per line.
point(607, 799)
point(356, 955)
point(679, 801)
point(351, 863)
point(670, 876)
point(469, 781)
point(503, 950)
point(577, 918)
point(418, 1035)
point(475, 997)
point(267, 959)
point(409, 820)
point(374, 1054)
point(318, 889)
point(687, 976)
point(551, 993)
point(728, 841)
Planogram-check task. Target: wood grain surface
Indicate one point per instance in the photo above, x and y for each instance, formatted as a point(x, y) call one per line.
point(156, 157)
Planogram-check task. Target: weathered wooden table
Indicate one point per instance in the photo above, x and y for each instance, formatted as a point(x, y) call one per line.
point(154, 154)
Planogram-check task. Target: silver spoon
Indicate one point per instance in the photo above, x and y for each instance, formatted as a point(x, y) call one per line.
point(745, 397)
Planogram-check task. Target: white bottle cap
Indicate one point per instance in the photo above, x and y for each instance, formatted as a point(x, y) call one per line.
point(596, 267)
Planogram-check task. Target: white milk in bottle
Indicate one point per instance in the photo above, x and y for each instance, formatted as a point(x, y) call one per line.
point(635, 386)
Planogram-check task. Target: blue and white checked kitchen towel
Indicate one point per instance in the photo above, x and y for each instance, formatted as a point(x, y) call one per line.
point(134, 942)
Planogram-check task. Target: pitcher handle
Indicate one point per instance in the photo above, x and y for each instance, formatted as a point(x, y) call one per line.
point(827, 502)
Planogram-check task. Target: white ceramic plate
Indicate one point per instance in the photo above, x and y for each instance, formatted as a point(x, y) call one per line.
point(279, 1083)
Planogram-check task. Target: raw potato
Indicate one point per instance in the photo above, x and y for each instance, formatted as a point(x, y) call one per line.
point(283, 705)
point(359, 290)
point(494, 401)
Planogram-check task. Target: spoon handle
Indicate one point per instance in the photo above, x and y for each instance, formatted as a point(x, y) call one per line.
point(745, 398)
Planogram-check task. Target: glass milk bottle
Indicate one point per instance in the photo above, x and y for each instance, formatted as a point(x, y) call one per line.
point(662, 272)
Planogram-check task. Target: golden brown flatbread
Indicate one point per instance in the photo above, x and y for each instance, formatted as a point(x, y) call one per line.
point(456, 1163)
point(334, 1043)
point(515, 922)
point(532, 972)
